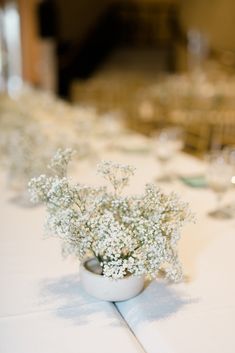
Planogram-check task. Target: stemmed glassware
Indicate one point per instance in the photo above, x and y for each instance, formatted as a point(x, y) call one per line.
point(167, 142)
point(230, 157)
point(219, 175)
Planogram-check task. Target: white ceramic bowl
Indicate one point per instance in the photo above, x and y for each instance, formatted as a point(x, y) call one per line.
point(108, 289)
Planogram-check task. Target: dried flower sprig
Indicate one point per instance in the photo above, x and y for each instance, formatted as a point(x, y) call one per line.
point(117, 174)
point(59, 163)
point(127, 234)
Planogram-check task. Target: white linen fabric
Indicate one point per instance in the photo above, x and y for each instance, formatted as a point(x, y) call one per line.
point(43, 309)
point(199, 314)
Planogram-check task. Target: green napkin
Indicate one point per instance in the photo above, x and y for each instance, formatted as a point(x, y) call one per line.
point(195, 181)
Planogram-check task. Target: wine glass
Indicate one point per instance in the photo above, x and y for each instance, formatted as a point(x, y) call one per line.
point(167, 142)
point(219, 175)
point(229, 152)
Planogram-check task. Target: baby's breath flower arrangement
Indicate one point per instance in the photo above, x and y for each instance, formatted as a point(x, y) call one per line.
point(126, 234)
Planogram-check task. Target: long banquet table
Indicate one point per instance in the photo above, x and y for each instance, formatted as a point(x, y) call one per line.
point(43, 308)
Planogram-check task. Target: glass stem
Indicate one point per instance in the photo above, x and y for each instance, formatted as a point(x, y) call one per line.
point(163, 168)
point(219, 197)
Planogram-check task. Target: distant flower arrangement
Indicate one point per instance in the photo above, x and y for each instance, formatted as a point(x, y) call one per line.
point(127, 234)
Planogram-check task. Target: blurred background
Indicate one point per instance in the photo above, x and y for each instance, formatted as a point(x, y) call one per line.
point(158, 62)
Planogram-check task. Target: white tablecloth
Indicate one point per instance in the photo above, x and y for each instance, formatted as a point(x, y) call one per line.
point(43, 308)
